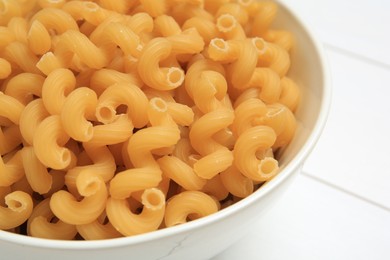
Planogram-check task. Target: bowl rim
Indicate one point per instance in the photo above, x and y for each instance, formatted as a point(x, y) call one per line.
point(288, 170)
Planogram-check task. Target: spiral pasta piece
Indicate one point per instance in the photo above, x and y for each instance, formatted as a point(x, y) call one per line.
point(149, 70)
point(10, 138)
point(128, 223)
point(24, 87)
point(50, 135)
point(18, 210)
point(40, 224)
point(195, 203)
point(146, 172)
point(123, 94)
point(252, 140)
point(11, 170)
point(79, 107)
point(65, 206)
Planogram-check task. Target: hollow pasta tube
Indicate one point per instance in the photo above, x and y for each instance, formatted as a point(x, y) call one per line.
point(128, 223)
point(78, 108)
point(65, 206)
point(48, 142)
point(149, 70)
point(18, 210)
point(188, 203)
point(252, 140)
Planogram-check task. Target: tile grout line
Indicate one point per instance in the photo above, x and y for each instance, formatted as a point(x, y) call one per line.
point(356, 55)
point(340, 189)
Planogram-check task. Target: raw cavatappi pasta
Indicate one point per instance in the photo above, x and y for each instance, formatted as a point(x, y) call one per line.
point(118, 118)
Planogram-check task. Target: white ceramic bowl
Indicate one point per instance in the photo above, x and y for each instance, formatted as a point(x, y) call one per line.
point(206, 237)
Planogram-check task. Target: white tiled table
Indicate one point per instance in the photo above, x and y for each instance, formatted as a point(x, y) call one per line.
point(339, 206)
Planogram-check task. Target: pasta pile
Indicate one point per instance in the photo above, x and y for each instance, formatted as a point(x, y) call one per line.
point(123, 117)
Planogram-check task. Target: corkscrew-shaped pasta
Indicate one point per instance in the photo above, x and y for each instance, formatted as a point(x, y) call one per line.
point(165, 78)
point(246, 113)
point(86, 11)
point(32, 115)
point(50, 135)
point(45, 21)
point(268, 81)
point(36, 173)
point(111, 34)
point(11, 170)
point(10, 138)
point(236, 183)
point(79, 107)
point(123, 94)
point(116, 132)
point(128, 223)
point(58, 84)
point(72, 43)
point(146, 172)
point(18, 53)
point(98, 229)
point(263, 15)
point(194, 203)
point(211, 90)
point(290, 94)
point(18, 210)
point(103, 165)
point(40, 224)
point(10, 108)
point(24, 87)
point(55, 19)
point(207, 29)
point(179, 171)
point(282, 121)
point(236, 10)
point(94, 191)
point(248, 143)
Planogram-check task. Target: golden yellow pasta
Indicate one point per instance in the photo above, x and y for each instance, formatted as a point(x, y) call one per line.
point(10, 108)
point(25, 87)
point(18, 210)
point(165, 78)
point(98, 230)
point(236, 183)
point(50, 136)
point(102, 164)
point(40, 224)
point(180, 172)
point(128, 223)
point(32, 115)
point(245, 159)
point(128, 95)
point(68, 209)
point(11, 170)
point(119, 118)
point(36, 173)
point(78, 108)
point(10, 138)
point(195, 203)
point(58, 84)
point(5, 68)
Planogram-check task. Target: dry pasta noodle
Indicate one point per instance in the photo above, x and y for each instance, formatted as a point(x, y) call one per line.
point(119, 118)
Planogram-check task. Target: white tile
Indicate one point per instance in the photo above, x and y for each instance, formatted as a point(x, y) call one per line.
point(315, 221)
point(353, 152)
point(358, 26)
